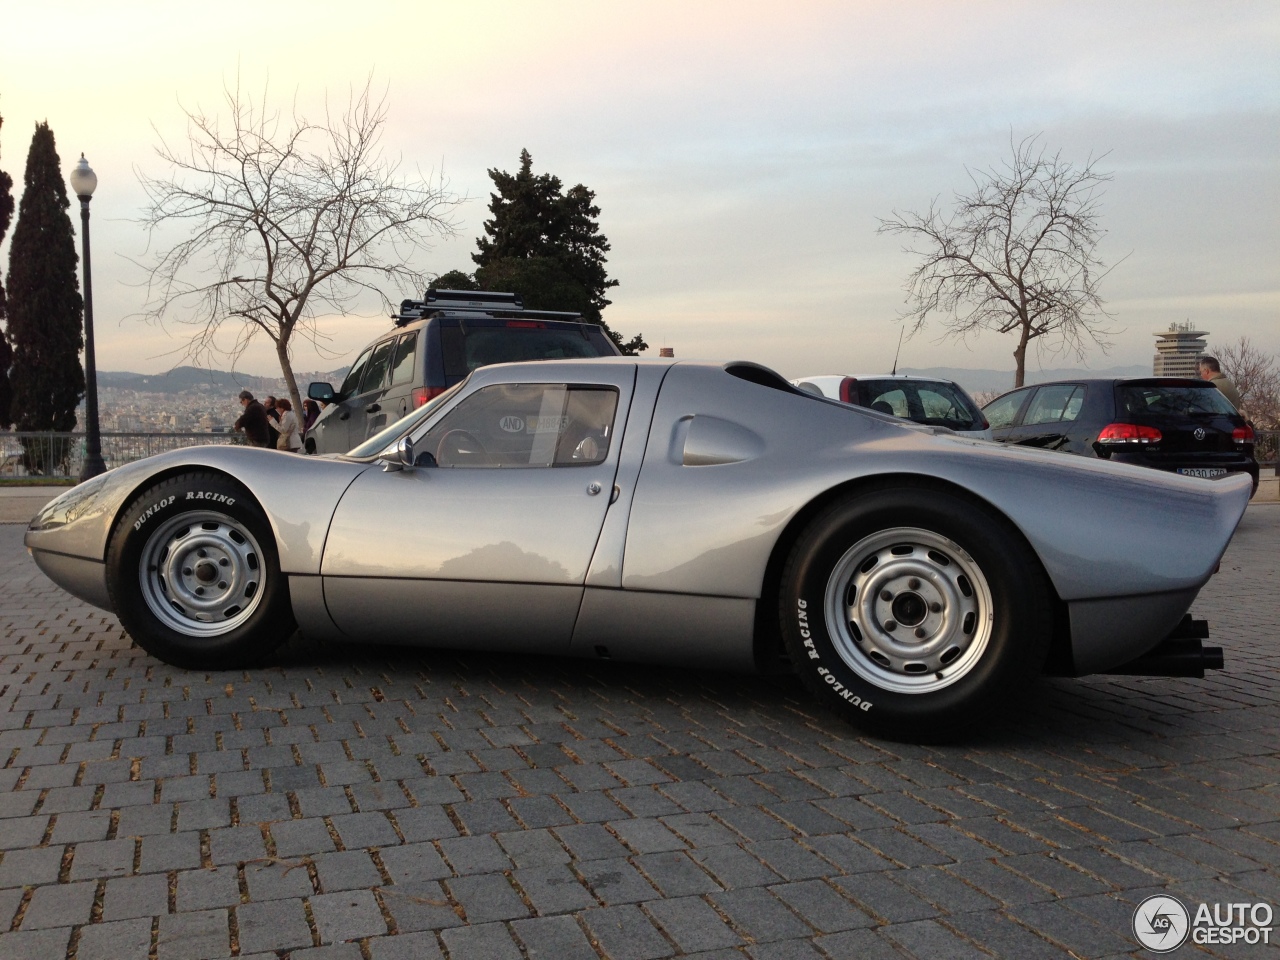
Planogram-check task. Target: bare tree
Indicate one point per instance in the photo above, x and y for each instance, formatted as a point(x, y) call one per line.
point(1016, 255)
point(287, 219)
point(1255, 375)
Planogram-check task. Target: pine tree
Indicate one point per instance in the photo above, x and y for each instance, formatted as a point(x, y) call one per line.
point(43, 300)
point(546, 245)
point(6, 352)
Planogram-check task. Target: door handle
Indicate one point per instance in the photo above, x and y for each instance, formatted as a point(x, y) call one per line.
point(373, 408)
point(344, 414)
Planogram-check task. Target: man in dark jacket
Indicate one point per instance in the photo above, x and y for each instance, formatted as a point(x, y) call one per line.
point(1210, 369)
point(253, 421)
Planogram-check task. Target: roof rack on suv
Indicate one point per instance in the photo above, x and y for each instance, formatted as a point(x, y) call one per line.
point(466, 303)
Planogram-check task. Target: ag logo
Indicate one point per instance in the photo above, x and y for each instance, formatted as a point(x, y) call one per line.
point(512, 424)
point(1199, 434)
point(1161, 923)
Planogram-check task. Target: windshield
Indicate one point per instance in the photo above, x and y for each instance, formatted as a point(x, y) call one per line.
point(1164, 400)
point(384, 438)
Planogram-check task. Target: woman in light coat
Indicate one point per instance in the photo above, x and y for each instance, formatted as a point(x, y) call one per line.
point(290, 434)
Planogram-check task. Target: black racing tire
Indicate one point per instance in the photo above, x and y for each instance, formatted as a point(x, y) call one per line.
point(194, 575)
point(914, 612)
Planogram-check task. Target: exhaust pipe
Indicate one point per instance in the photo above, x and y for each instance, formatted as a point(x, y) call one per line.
point(1181, 654)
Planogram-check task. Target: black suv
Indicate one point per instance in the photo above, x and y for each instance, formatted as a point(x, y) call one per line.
point(435, 343)
point(1186, 426)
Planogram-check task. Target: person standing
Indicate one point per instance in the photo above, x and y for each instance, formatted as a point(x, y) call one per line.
point(253, 421)
point(290, 434)
point(273, 421)
point(1211, 370)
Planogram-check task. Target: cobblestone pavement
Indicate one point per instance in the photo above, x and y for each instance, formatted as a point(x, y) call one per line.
point(383, 803)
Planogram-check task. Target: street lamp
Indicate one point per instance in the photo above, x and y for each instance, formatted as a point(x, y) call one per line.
point(84, 181)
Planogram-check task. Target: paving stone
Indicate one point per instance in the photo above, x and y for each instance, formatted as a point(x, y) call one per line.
point(405, 946)
point(349, 915)
point(692, 924)
point(359, 830)
point(675, 874)
point(425, 823)
point(733, 867)
point(553, 889)
point(272, 925)
point(121, 940)
point(468, 855)
point(533, 848)
point(553, 938)
point(615, 881)
point(420, 905)
point(487, 897)
point(927, 938)
point(201, 935)
point(760, 916)
point(295, 838)
point(22, 868)
point(35, 944)
point(486, 941)
point(59, 905)
point(590, 841)
point(279, 880)
point(349, 870)
point(624, 933)
point(203, 889)
point(128, 897)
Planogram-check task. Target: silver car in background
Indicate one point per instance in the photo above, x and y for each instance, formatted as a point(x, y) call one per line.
point(694, 514)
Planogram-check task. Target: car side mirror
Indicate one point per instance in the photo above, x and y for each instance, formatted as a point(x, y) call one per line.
point(323, 392)
point(404, 452)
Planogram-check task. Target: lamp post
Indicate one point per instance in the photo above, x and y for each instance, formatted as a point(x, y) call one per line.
point(83, 182)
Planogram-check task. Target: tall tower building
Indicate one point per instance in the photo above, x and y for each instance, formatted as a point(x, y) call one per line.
point(1177, 350)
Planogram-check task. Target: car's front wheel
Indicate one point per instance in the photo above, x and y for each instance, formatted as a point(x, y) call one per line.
point(194, 576)
point(914, 612)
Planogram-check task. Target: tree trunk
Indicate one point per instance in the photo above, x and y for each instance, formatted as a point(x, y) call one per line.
point(1020, 358)
point(286, 367)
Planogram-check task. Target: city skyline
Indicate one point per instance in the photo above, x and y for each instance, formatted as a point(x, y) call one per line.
point(740, 154)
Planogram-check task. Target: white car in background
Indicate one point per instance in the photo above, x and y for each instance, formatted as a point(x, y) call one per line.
point(927, 400)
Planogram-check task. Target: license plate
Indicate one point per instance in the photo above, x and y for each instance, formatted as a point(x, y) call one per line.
point(1207, 472)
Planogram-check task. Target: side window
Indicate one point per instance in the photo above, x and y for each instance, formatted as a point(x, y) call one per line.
point(402, 366)
point(526, 425)
point(377, 371)
point(352, 381)
point(1050, 404)
point(1001, 411)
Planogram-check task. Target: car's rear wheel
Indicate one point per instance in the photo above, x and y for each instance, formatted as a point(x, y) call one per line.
point(914, 612)
point(194, 575)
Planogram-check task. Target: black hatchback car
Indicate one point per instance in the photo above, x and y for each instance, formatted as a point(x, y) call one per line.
point(1186, 426)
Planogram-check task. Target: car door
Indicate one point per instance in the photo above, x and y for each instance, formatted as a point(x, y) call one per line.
point(1049, 416)
point(365, 408)
point(1002, 413)
point(332, 431)
point(490, 546)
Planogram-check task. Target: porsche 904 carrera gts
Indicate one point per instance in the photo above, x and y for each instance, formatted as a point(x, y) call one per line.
point(693, 514)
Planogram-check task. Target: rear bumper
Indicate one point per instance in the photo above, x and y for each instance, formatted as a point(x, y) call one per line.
point(1112, 631)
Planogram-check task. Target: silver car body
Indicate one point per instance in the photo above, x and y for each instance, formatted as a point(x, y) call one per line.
point(663, 551)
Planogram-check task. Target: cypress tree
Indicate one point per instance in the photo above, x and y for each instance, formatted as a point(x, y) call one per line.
point(43, 301)
point(6, 352)
point(545, 244)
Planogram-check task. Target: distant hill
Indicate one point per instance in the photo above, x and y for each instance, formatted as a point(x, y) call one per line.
point(200, 380)
point(998, 381)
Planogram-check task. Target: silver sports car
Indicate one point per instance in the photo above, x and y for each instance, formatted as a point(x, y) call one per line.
point(695, 514)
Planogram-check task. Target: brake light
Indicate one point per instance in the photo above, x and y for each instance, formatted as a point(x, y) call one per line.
point(1243, 434)
point(1129, 433)
point(985, 424)
point(846, 390)
point(527, 324)
point(422, 394)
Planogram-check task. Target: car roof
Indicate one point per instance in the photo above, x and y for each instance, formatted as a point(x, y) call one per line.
point(875, 376)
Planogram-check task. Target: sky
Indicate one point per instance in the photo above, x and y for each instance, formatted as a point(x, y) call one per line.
point(741, 152)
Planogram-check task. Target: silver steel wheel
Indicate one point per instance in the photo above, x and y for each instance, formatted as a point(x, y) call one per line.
point(908, 610)
point(201, 574)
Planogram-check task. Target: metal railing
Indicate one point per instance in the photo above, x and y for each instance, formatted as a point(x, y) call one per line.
point(1265, 445)
point(59, 455)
